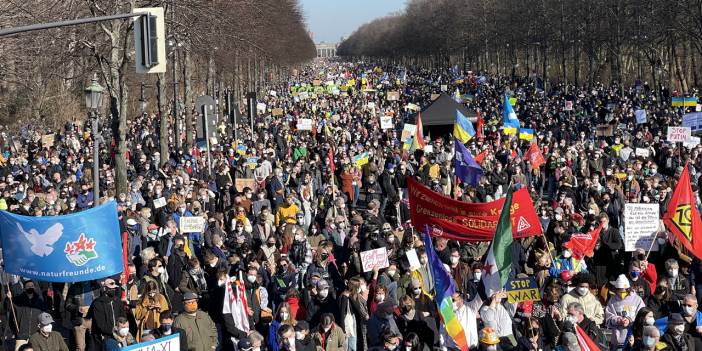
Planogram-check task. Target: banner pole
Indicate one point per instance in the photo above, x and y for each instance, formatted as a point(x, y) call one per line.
point(548, 249)
point(12, 306)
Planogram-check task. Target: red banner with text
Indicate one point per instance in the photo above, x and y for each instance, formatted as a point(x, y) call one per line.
point(464, 221)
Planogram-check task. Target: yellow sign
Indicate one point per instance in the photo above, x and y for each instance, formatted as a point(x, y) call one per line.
point(522, 289)
point(683, 219)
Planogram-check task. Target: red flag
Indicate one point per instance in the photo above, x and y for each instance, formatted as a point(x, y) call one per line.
point(481, 157)
point(583, 244)
point(330, 156)
point(479, 127)
point(682, 217)
point(535, 157)
point(584, 341)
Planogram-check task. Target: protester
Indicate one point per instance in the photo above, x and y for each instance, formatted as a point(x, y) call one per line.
point(199, 328)
point(46, 339)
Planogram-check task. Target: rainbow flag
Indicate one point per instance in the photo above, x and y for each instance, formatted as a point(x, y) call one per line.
point(418, 139)
point(684, 102)
point(445, 288)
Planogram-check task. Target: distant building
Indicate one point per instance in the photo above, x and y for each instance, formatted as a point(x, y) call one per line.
point(326, 49)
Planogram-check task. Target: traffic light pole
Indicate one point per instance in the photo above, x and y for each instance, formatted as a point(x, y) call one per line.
point(41, 26)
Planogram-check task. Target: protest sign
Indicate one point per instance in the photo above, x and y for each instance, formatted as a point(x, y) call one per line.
point(393, 96)
point(693, 142)
point(277, 111)
point(693, 121)
point(407, 131)
point(640, 116)
point(640, 224)
point(385, 122)
point(642, 152)
point(304, 124)
point(316, 82)
point(47, 140)
point(568, 105)
point(678, 134)
point(444, 87)
point(78, 247)
point(377, 258)
point(413, 259)
point(604, 130)
point(261, 107)
point(522, 289)
point(191, 224)
point(241, 183)
point(462, 221)
point(160, 202)
point(165, 343)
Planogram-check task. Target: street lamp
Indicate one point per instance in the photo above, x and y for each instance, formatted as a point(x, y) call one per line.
point(93, 100)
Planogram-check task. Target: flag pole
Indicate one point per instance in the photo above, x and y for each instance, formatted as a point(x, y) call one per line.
point(12, 306)
point(548, 249)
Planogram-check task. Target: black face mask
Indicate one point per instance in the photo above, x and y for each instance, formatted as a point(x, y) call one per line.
point(29, 291)
point(111, 292)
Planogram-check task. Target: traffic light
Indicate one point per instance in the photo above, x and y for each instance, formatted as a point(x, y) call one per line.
point(149, 40)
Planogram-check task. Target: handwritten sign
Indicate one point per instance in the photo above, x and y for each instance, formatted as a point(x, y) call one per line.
point(643, 152)
point(522, 289)
point(640, 116)
point(377, 258)
point(47, 140)
point(304, 124)
point(191, 224)
point(160, 202)
point(166, 343)
point(568, 105)
point(393, 96)
point(678, 134)
point(640, 224)
point(277, 111)
point(385, 122)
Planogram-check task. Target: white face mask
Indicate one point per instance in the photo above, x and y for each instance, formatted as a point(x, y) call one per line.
point(284, 315)
point(323, 293)
point(567, 253)
point(391, 273)
point(213, 264)
point(477, 275)
point(251, 278)
point(299, 335)
point(454, 259)
point(673, 272)
point(220, 282)
point(689, 311)
point(583, 291)
point(379, 298)
point(47, 328)
point(160, 270)
point(123, 331)
point(650, 320)
point(679, 329)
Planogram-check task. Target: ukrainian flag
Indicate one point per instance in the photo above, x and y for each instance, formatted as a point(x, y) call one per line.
point(526, 134)
point(510, 122)
point(462, 128)
point(684, 101)
point(361, 159)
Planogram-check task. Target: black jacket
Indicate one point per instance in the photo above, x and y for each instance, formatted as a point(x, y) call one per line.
point(424, 327)
point(26, 311)
point(75, 299)
point(104, 312)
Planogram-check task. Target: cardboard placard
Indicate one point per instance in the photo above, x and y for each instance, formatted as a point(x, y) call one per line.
point(434, 96)
point(277, 111)
point(191, 224)
point(241, 183)
point(377, 258)
point(393, 96)
point(304, 124)
point(568, 105)
point(47, 140)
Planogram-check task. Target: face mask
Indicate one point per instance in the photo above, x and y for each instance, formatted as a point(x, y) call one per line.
point(673, 272)
point(630, 177)
point(391, 274)
point(567, 253)
point(123, 331)
point(417, 291)
point(166, 327)
point(220, 283)
point(491, 348)
point(111, 292)
point(571, 319)
point(379, 297)
point(423, 260)
point(290, 341)
point(160, 270)
point(635, 275)
point(660, 241)
point(454, 259)
point(679, 329)
point(251, 278)
point(583, 291)
point(47, 328)
point(623, 294)
point(688, 310)
point(477, 275)
point(650, 320)
point(213, 264)
point(29, 291)
point(649, 341)
point(323, 293)
point(284, 315)
point(299, 335)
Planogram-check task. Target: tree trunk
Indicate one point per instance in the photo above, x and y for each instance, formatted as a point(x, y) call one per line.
point(187, 98)
point(163, 118)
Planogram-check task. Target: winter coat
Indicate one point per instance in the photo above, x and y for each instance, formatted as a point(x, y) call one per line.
point(200, 330)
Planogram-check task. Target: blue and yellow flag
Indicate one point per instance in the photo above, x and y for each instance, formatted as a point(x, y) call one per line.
point(510, 122)
point(526, 134)
point(684, 101)
point(462, 128)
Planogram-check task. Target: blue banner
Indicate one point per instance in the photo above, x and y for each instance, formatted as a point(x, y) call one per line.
point(77, 247)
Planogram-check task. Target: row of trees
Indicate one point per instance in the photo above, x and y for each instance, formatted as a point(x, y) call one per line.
point(212, 45)
point(575, 41)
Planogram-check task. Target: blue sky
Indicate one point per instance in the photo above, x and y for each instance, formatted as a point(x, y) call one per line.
point(329, 20)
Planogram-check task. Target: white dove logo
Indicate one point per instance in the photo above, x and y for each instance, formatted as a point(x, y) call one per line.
point(41, 243)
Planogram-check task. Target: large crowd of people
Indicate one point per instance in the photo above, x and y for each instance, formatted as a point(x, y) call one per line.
point(289, 211)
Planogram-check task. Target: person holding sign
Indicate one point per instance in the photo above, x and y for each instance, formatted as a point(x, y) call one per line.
point(621, 310)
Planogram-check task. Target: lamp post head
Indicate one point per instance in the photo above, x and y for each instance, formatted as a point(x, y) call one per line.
point(93, 94)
